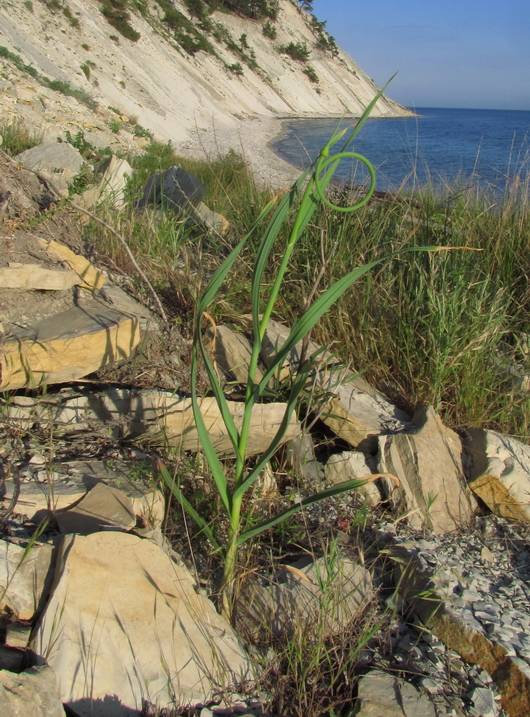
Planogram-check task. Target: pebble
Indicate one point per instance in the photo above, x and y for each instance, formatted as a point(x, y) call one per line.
point(487, 587)
point(484, 703)
point(431, 686)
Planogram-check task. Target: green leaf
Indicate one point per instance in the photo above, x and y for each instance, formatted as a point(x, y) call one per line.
point(220, 398)
point(211, 456)
point(308, 320)
point(296, 388)
point(199, 520)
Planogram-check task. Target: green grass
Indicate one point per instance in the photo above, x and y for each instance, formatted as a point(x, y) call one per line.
point(434, 328)
point(57, 85)
point(17, 138)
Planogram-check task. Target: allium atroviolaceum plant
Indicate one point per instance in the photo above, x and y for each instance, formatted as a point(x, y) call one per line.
point(303, 198)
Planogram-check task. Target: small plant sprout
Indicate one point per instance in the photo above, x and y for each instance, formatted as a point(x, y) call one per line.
point(305, 196)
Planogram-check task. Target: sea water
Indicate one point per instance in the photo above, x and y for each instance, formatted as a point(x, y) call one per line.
point(452, 148)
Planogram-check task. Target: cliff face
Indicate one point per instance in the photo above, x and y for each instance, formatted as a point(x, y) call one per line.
point(243, 72)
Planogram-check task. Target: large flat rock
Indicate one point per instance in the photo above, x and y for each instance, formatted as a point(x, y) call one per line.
point(52, 157)
point(70, 483)
point(500, 472)
point(124, 624)
point(433, 492)
point(26, 277)
point(164, 418)
point(67, 346)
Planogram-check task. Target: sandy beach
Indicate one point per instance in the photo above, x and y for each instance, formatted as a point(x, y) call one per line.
point(251, 140)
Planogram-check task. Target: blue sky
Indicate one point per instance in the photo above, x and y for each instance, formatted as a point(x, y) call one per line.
point(448, 53)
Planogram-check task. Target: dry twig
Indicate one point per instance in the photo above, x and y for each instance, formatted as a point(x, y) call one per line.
point(129, 253)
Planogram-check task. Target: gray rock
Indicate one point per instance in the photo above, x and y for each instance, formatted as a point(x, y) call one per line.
point(52, 157)
point(484, 702)
point(32, 693)
point(433, 492)
point(460, 631)
point(383, 695)
point(320, 592)
point(175, 189)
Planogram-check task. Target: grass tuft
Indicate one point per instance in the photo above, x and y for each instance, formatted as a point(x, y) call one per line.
point(16, 138)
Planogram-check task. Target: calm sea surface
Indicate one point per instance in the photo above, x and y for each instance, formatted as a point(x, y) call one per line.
point(474, 148)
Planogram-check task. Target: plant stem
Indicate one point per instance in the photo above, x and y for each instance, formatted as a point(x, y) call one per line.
point(230, 559)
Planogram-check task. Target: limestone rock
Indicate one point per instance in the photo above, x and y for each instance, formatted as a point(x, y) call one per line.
point(52, 157)
point(433, 492)
point(299, 455)
point(119, 300)
point(24, 579)
point(102, 507)
point(32, 693)
point(27, 277)
point(383, 695)
point(89, 277)
point(18, 634)
point(355, 415)
point(500, 473)
point(231, 351)
point(67, 346)
point(212, 219)
point(112, 186)
point(124, 620)
point(156, 417)
point(353, 410)
point(40, 500)
point(353, 464)
point(296, 597)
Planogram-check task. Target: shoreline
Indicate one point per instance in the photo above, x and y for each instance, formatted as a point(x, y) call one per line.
point(251, 139)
